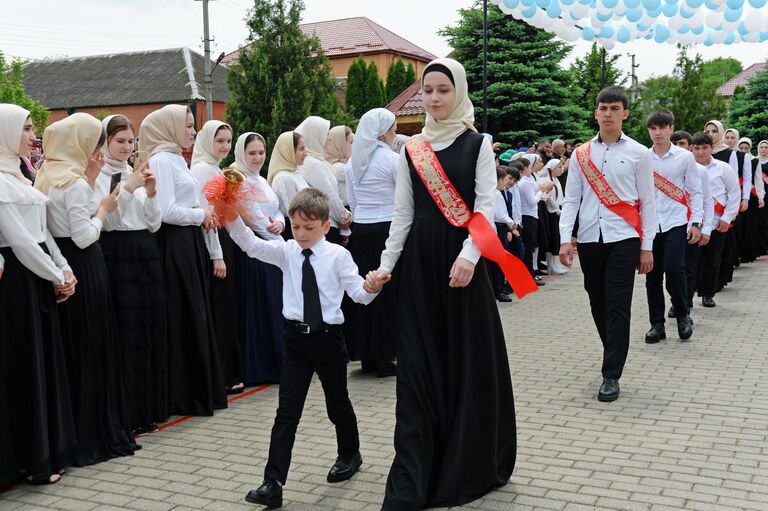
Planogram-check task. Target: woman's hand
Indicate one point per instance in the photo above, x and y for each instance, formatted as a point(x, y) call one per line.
point(375, 280)
point(209, 220)
point(150, 183)
point(133, 181)
point(219, 269)
point(275, 227)
point(461, 273)
point(108, 204)
point(64, 291)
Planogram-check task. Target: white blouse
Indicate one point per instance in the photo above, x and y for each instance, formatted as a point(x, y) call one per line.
point(177, 190)
point(316, 175)
point(373, 199)
point(286, 185)
point(135, 211)
point(70, 214)
point(267, 207)
point(340, 172)
point(485, 200)
point(202, 173)
point(23, 227)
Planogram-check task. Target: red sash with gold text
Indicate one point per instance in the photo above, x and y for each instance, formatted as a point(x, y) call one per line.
point(457, 213)
point(605, 193)
point(673, 191)
point(719, 208)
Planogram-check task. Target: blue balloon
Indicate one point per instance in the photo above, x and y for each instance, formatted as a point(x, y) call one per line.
point(530, 12)
point(631, 4)
point(643, 27)
point(511, 4)
point(708, 41)
point(735, 4)
point(623, 35)
point(669, 10)
point(730, 38)
point(606, 32)
point(542, 3)
point(554, 10)
point(685, 13)
point(604, 17)
point(588, 33)
point(634, 15)
point(763, 36)
point(742, 29)
point(732, 15)
point(757, 4)
point(684, 29)
point(610, 3)
point(711, 4)
point(694, 3)
point(654, 13)
point(661, 33)
point(528, 3)
point(651, 5)
point(697, 30)
point(566, 2)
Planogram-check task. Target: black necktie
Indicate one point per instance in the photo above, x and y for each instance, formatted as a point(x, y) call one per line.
point(313, 313)
point(510, 204)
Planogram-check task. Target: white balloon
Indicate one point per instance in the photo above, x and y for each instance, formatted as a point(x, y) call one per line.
point(713, 19)
point(675, 23)
point(718, 37)
point(579, 11)
point(751, 37)
point(730, 26)
point(608, 44)
point(596, 23)
point(697, 19)
point(753, 21)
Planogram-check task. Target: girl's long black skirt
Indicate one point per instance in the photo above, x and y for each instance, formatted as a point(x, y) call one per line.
point(37, 431)
point(138, 294)
point(195, 383)
point(261, 320)
point(371, 330)
point(94, 361)
point(553, 233)
point(226, 312)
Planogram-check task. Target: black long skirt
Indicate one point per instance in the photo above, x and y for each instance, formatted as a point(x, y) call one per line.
point(553, 233)
point(371, 330)
point(744, 231)
point(195, 383)
point(755, 230)
point(37, 430)
point(455, 438)
point(261, 320)
point(136, 280)
point(226, 312)
point(94, 361)
point(544, 219)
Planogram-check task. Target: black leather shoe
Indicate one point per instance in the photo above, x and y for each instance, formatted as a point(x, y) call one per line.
point(708, 301)
point(269, 494)
point(504, 297)
point(344, 468)
point(685, 327)
point(655, 334)
point(539, 281)
point(540, 273)
point(671, 313)
point(386, 369)
point(609, 390)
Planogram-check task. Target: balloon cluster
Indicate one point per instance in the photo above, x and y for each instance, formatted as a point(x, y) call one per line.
point(608, 22)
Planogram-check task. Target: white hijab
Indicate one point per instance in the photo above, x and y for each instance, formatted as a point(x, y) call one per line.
point(315, 132)
point(461, 118)
point(111, 164)
point(204, 152)
point(373, 124)
point(762, 159)
point(12, 119)
point(240, 152)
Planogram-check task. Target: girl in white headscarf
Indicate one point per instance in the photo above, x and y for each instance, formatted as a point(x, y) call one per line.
point(761, 173)
point(319, 175)
point(37, 433)
point(554, 204)
point(450, 343)
point(371, 174)
point(212, 145)
point(289, 153)
point(261, 284)
point(73, 162)
point(132, 255)
point(195, 382)
point(337, 152)
point(745, 146)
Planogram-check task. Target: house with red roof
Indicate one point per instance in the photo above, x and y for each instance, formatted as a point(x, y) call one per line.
point(408, 110)
point(740, 80)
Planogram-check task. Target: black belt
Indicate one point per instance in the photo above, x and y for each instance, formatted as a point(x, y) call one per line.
point(304, 329)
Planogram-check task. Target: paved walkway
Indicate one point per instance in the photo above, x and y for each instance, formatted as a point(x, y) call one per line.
point(689, 431)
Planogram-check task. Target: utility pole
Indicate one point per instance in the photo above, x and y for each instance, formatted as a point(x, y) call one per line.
point(602, 68)
point(208, 84)
point(485, 66)
point(635, 83)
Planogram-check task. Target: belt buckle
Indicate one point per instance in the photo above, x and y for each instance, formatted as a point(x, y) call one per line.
point(303, 328)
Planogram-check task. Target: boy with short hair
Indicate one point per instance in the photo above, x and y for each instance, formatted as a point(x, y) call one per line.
point(316, 274)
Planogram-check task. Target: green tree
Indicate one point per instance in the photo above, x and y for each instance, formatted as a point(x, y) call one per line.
point(12, 91)
point(365, 90)
point(655, 93)
point(717, 71)
point(410, 74)
point(397, 80)
point(695, 101)
point(529, 95)
point(587, 73)
point(282, 75)
point(749, 108)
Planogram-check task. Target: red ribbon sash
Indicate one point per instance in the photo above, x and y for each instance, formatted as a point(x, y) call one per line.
point(673, 191)
point(457, 213)
point(630, 213)
point(719, 208)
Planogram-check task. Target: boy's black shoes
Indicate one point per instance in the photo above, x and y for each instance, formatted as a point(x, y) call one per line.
point(345, 467)
point(269, 494)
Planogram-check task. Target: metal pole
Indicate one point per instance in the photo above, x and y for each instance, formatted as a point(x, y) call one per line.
point(207, 69)
point(602, 68)
point(485, 66)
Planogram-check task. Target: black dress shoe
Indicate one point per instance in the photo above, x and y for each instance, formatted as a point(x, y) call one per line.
point(655, 334)
point(344, 468)
point(269, 494)
point(609, 390)
point(540, 273)
point(385, 369)
point(504, 297)
point(539, 281)
point(708, 301)
point(685, 327)
point(368, 366)
point(671, 313)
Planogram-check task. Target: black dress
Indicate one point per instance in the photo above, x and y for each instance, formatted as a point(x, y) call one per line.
point(755, 221)
point(734, 238)
point(94, 362)
point(136, 280)
point(37, 431)
point(761, 220)
point(455, 438)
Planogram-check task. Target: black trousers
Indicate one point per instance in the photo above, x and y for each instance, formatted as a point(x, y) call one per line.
point(324, 353)
point(609, 277)
point(530, 240)
point(669, 261)
point(692, 268)
point(497, 277)
point(711, 255)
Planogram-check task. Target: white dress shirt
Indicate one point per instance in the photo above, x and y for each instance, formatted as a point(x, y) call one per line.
point(261, 211)
point(316, 174)
point(530, 195)
point(204, 172)
point(500, 213)
point(135, 211)
point(286, 185)
point(485, 201)
point(373, 199)
point(708, 204)
point(758, 182)
point(746, 170)
point(679, 167)
point(177, 190)
point(340, 172)
point(724, 186)
point(334, 268)
point(628, 168)
point(517, 205)
point(23, 227)
point(70, 214)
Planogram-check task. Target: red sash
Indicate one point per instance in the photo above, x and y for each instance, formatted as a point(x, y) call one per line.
point(605, 193)
point(673, 191)
point(719, 208)
point(457, 213)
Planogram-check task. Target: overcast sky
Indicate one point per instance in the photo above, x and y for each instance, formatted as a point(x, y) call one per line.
point(55, 28)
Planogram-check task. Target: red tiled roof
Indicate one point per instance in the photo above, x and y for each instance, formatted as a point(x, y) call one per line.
point(409, 102)
point(355, 36)
point(740, 80)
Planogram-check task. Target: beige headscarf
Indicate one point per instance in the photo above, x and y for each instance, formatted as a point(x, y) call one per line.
point(283, 158)
point(736, 136)
point(204, 151)
point(240, 152)
point(719, 143)
point(12, 118)
point(163, 130)
point(315, 129)
point(762, 159)
point(461, 118)
point(111, 164)
point(68, 144)
point(337, 148)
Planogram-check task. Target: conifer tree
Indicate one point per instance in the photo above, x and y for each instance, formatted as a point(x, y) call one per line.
point(749, 109)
